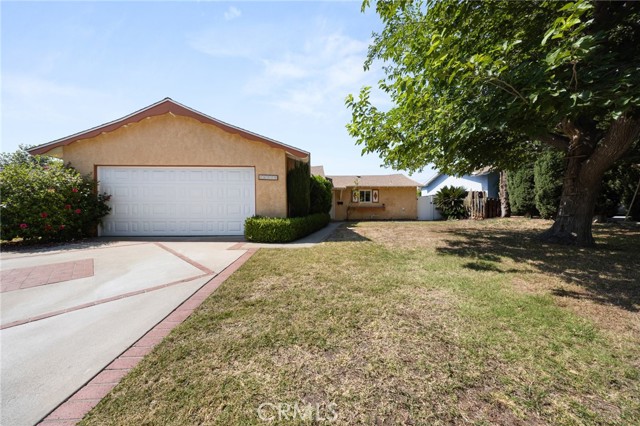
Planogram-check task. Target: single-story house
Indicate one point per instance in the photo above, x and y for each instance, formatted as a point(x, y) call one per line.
point(374, 197)
point(172, 170)
point(480, 180)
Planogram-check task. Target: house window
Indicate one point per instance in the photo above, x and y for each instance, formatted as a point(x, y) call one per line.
point(365, 196)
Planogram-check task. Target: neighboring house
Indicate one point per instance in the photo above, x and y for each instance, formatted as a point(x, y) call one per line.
point(373, 197)
point(317, 171)
point(172, 170)
point(480, 180)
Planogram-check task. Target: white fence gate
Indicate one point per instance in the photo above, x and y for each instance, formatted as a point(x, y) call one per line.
point(427, 209)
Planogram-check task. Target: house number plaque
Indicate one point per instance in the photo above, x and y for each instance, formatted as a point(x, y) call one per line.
point(268, 177)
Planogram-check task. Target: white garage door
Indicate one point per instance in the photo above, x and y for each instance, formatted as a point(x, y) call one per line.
point(161, 201)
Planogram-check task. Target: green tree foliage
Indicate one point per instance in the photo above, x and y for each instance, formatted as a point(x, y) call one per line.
point(449, 200)
point(521, 189)
point(49, 202)
point(548, 172)
point(298, 191)
point(21, 156)
point(618, 187)
point(478, 84)
point(320, 194)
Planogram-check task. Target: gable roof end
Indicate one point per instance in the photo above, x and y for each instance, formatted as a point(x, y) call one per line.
point(317, 171)
point(165, 106)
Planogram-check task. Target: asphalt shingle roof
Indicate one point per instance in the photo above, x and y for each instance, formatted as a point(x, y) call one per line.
point(389, 181)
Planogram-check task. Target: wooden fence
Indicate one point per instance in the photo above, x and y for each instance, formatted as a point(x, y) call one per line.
point(480, 207)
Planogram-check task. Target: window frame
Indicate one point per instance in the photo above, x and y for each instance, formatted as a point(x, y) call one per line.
point(362, 198)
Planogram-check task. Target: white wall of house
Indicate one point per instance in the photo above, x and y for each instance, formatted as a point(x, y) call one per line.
point(485, 183)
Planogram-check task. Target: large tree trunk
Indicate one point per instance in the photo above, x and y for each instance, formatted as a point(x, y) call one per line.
point(577, 203)
point(505, 207)
point(587, 161)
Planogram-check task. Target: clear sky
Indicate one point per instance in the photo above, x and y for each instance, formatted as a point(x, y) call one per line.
point(280, 69)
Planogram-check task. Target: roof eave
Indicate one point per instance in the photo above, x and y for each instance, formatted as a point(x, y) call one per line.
point(165, 106)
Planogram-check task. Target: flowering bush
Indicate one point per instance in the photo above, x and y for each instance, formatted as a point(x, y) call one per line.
point(50, 202)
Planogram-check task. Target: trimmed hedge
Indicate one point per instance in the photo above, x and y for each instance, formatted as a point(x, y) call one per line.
point(283, 230)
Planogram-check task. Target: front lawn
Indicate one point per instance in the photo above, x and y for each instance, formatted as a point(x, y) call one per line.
point(406, 323)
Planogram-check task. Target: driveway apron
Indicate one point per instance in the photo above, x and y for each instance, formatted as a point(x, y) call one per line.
point(66, 314)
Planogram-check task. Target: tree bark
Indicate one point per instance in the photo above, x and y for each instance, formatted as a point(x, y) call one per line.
point(505, 207)
point(587, 161)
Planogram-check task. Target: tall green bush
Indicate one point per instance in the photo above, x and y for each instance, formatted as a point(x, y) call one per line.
point(548, 171)
point(320, 194)
point(49, 202)
point(522, 196)
point(298, 191)
point(449, 200)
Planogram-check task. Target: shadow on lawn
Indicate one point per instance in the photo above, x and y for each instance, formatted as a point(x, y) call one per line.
point(609, 273)
point(346, 233)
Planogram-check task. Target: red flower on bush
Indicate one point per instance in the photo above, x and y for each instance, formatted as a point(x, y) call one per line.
point(78, 211)
point(61, 227)
point(67, 206)
point(23, 226)
point(43, 215)
point(47, 227)
point(74, 190)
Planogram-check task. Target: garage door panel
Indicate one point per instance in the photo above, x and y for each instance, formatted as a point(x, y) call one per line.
point(177, 201)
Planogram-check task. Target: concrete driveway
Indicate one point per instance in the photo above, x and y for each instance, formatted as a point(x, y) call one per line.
point(67, 313)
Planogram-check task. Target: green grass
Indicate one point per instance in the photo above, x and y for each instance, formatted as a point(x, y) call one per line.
point(407, 323)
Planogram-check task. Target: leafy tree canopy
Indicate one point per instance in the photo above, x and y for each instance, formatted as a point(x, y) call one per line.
point(478, 84)
point(21, 156)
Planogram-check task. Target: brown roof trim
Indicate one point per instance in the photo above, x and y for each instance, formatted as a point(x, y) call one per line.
point(165, 106)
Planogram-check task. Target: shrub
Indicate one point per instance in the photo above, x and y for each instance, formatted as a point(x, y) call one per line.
point(547, 176)
point(298, 189)
point(522, 195)
point(450, 202)
point(320, 194)
point(49, 202)
point(282, 230)
point(618, 187)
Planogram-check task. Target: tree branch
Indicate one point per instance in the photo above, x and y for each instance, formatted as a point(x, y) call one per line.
point(618, 139)
point(560, 143)
point(509, 88)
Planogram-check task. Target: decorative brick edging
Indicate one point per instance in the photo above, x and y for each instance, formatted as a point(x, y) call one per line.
point(186, 259)
point(34, 276)
point(84, 399)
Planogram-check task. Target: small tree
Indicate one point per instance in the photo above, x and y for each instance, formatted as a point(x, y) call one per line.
point(547, 176)
point(449, 201)
point(521, 189)
point(50, 202)
point(21, 156)
point(298, 189)
point(320, 194)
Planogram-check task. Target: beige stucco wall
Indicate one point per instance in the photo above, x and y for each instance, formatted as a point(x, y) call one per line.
point(399, 203)
point(170, 140)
